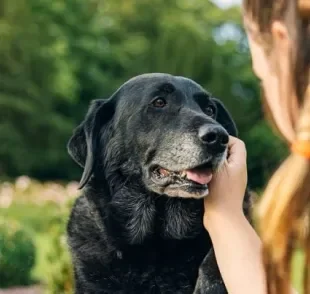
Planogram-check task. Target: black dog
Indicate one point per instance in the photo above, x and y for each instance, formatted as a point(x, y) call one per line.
point(148, 154)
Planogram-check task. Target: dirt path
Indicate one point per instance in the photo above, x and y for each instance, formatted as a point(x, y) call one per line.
point(23, 290)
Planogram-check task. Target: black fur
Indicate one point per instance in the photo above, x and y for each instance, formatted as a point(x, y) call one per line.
point(125, 233)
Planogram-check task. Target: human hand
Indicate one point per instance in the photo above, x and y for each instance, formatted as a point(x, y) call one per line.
point(227, 189)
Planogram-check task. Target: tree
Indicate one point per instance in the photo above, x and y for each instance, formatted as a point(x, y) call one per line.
point(57, 56)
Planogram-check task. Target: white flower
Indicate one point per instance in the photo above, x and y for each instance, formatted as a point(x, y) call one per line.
point(22, 183)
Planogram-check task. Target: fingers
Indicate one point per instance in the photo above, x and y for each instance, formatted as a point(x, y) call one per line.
point(236, 150)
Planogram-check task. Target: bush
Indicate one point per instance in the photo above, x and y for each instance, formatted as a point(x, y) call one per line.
point(58, 265)
point(35, 217)
point(17, 254)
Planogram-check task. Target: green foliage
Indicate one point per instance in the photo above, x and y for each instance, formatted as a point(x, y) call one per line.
point(57, 260)
point(266, 153)
point(298, 263)
point(43, 208)
point(56, 56)
point(38, 218)
point(17, 254)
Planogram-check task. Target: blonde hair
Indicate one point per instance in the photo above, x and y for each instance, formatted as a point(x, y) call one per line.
point(284, 210)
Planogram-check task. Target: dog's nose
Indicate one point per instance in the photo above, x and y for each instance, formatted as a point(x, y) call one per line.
point(213, 136)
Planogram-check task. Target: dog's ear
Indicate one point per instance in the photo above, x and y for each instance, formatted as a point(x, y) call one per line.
point(83, 145)
point(224, 118)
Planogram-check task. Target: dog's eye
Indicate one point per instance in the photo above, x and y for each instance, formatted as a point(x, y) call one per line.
point(159, 102)
point(210, 110)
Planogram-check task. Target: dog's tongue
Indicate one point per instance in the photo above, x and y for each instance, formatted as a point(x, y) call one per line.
point(199, 176)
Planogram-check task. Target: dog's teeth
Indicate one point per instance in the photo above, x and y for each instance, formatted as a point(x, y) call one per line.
point(164, 172)
point(183, 174)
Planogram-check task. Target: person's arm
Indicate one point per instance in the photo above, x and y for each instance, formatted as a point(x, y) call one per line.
point(238, 253)
point(237, 246)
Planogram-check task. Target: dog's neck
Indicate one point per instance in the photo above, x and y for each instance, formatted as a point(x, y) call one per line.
point(134, 216)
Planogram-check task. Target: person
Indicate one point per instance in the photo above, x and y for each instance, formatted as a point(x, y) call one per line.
point(279, 39)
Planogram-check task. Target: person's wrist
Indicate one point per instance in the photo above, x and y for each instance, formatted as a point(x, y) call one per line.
point(215, 219)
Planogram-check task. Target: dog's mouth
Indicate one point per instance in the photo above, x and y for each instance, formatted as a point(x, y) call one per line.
point(192, 182)
point(200, 175)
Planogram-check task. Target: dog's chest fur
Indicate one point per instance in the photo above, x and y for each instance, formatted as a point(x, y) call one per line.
point(138, 243)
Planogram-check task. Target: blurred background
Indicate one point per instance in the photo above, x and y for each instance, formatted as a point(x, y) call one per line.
point(56, 56)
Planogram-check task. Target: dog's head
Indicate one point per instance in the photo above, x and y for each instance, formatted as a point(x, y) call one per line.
point(164, 130)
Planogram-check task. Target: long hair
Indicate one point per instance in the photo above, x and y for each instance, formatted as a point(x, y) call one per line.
point(284, 210)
